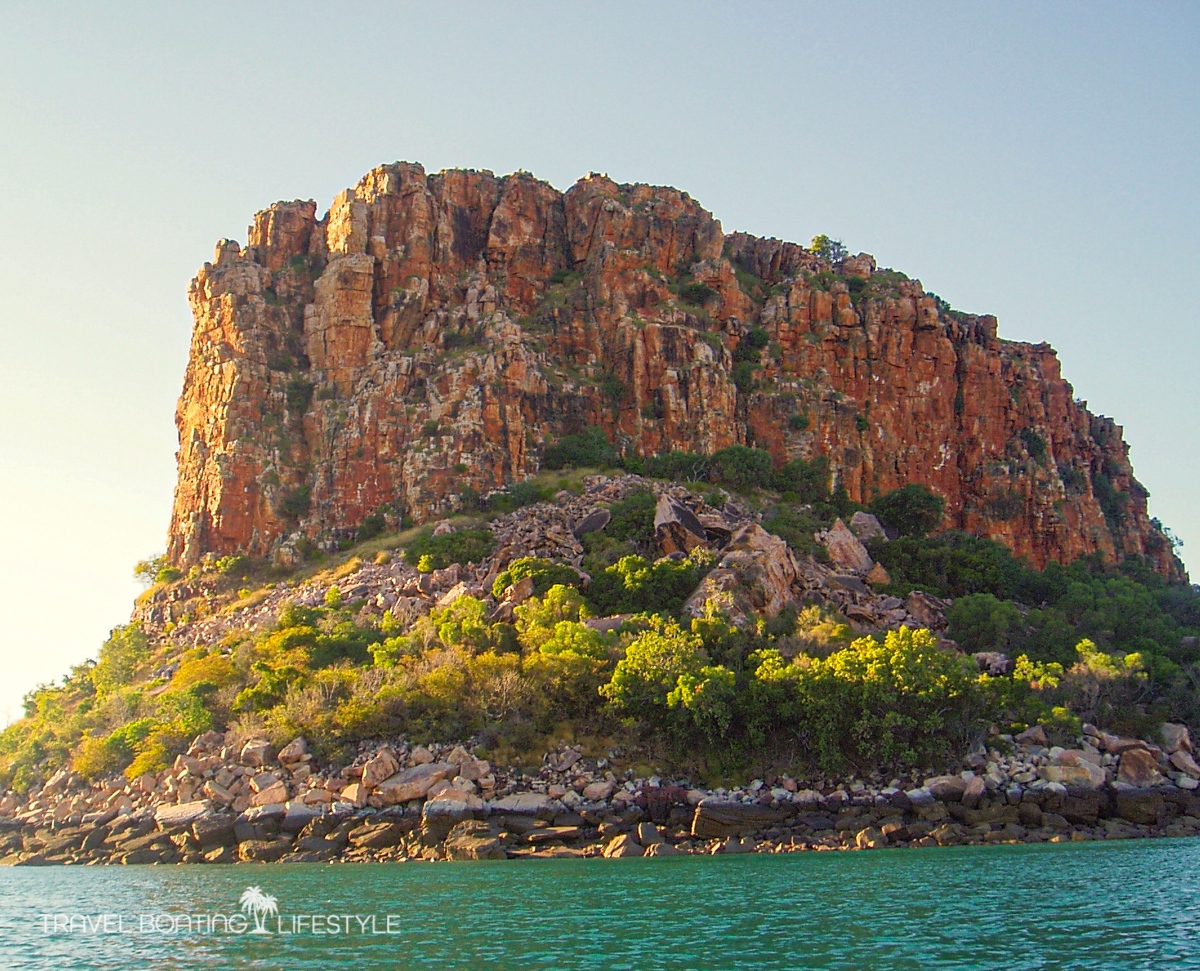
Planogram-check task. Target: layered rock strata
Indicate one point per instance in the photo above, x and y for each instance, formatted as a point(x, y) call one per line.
point(431, 333)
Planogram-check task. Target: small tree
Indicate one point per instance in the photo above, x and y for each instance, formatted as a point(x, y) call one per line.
point(829, 249)
point(912, 510)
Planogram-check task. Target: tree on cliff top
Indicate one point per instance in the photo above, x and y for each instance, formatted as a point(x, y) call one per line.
point(829, 249)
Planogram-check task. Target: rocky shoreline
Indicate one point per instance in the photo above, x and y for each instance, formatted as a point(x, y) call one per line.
point(225, 803)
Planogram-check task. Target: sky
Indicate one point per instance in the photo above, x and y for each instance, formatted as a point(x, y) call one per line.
point(1037, 161)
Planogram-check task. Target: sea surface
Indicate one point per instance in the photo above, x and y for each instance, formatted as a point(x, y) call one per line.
point(1096, 906)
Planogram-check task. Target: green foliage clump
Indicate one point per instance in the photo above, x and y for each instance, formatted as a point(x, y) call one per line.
point(545, 574)
point(121, 657)
point(589, 449)
point(633, 584)
point(461, 546)
point(294, 503)
point(697, 294)
point(516, 496)
point(157, 570)
point(828, 249)
point(299, 395)
point(912, 510)
point(1035, 445)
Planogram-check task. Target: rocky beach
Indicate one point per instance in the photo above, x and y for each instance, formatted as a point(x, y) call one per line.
point(224, 802)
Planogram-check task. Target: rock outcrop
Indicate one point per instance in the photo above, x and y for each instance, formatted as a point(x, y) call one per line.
point(432, 333)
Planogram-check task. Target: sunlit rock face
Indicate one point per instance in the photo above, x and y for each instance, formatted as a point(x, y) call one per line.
point(431, 333)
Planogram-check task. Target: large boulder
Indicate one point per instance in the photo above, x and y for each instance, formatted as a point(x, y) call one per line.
point(183, 814)
point(947, 788)
point(1138, 767)
point(622, 846)
point(414, 783)
point(526, 804)
point(382, 766)
point(1138, 805)
point(452, 806)
point(1176, 738)
point(676, 528)
point(256, 752)
point(756, 575)
point(845, 550)
point(472, 839)
point(714, 818)
point(866, 527)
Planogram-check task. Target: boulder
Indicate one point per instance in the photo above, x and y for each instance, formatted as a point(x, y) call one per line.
point(472, 839)
point(1183, 761)
point(714, 818)
point(1143, 806)
point(1176, 738)
point(1139, 768)
point(382, 766)
point(877, 576)
point(867, 527)
point(648, 834)
point(871, 838)
point(294, 751)
point(756, 575)
point(277, 793)
point(377, 835)
point(947, 788)
point(1083, 776)
point(622, 846)
point(926, 610)
point(299, 814)
point(355, 794)
point(1034, 735)
point(845, 550)
point(439, 816)
point(256, 752)
point(974, 792)
point(593, 522)
point(183, 814)
point(414, 783)
point(263, 851)
point(597, 791)
point(676, 528)
point(213, 829)
point(526, 804)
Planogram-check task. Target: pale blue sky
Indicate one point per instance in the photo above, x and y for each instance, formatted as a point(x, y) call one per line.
point(1032, 160)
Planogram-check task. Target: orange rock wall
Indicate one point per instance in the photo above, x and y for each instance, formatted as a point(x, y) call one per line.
point(433, 332)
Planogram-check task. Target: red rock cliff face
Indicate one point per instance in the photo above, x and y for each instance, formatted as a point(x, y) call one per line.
point(433, 332)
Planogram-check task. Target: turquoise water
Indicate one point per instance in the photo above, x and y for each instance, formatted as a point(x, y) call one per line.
point(1090, 906)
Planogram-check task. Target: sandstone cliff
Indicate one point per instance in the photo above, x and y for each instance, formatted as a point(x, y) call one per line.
point(432, 332)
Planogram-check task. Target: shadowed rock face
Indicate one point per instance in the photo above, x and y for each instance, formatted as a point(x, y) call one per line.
point(433, 332)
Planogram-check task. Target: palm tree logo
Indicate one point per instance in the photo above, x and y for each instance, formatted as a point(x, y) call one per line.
point(259, 905)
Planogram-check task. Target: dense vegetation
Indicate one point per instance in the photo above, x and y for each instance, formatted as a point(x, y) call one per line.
point(1109, 644)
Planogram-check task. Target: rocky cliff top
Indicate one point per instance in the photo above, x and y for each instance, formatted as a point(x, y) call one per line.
point(431, 334)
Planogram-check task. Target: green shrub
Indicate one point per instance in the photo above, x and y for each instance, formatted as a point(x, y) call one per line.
point(294, 503)
point(545, 574)
point(633, 584)
point(1035, 445)
point(371, 526)
point(122, 655)
point(697, 294)
point(912, 510)
point(438, 552)
point(299, 394)
point(798, 421)
point(633, 518)
point(589, 449)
